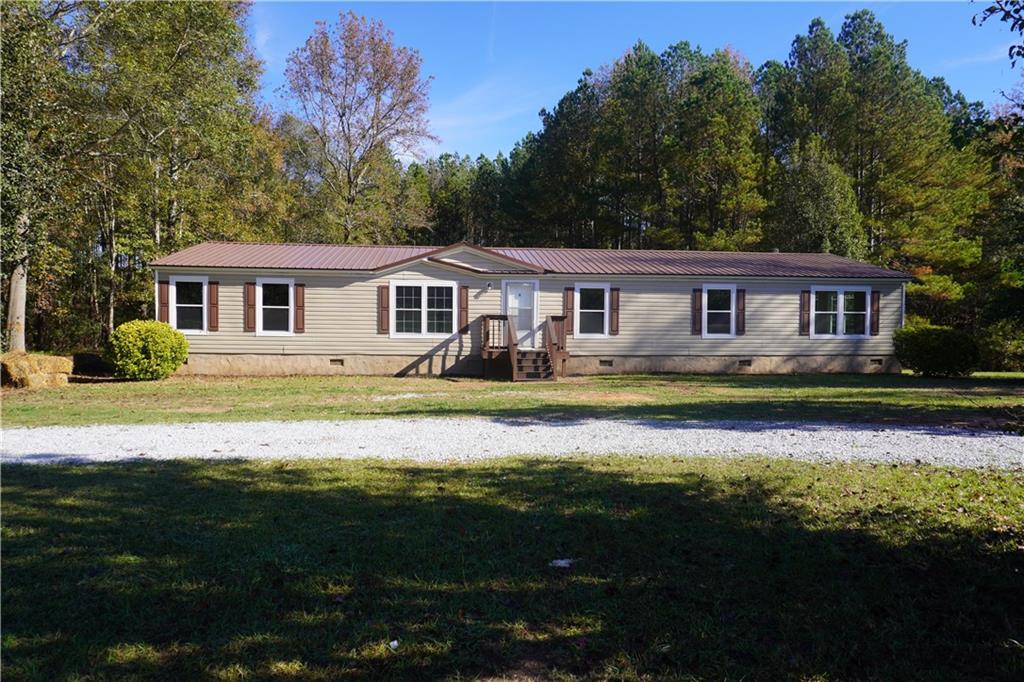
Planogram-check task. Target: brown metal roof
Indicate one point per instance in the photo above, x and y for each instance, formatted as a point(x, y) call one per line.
point(292, 256)
point(551, 260)
point(702, 263)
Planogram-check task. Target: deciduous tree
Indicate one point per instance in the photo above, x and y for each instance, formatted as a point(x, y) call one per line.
point(365, 101)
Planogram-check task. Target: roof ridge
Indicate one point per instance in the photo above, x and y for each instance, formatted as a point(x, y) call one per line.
point(525, 248)
point(374, 246)
point(698, 251)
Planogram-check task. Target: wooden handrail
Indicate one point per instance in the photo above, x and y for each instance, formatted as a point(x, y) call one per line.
point(554, 341)
point(493, 336)
point(551, 344)
point(494, 341)
point(512, 342)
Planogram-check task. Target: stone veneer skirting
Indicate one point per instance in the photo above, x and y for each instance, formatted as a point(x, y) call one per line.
point(471, 365)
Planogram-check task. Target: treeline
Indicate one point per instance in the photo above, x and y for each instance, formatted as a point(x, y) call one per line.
point(132, 130)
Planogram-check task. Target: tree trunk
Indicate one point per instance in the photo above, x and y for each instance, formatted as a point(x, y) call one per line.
point(157, 227)
point(18, 292)
point(112, 264)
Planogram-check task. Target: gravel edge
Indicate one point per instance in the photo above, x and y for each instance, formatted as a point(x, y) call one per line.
point(466, 439)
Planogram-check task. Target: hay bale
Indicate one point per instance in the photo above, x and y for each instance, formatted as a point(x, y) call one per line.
point(52, 364)
point(44, 380)
point(16, 366)
point(22, 370)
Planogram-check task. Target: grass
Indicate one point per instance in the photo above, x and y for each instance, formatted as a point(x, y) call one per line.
point(987, 401)
point(687, 569)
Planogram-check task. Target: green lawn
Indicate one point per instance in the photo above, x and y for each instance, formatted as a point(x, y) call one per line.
point(692, 569)
point(988, 401)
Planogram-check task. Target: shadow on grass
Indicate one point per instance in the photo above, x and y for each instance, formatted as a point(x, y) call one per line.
point(858, 399)
point(184, 570)
point(790, 411)
point(796, 381)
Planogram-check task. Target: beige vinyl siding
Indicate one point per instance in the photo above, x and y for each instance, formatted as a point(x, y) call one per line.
point(477, 261)
point(654, 319)
point(341, 314)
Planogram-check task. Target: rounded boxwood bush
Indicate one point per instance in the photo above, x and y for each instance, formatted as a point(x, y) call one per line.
point(936, 351)
point(146, 349)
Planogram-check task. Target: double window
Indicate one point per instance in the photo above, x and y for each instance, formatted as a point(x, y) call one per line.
point(423, 308)
point(591, 310)
point(275, 306)
point(187, 304)
point(719, 311)
point(840, 312)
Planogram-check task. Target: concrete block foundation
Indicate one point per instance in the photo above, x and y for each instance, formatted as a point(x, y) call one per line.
point(472, 365)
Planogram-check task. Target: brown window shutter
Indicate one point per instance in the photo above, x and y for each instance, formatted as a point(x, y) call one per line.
point(249, 294)
point(613, 307)
point(163, 291)
point(568, 298)
point(805, 312)
point(300, 308)
point(876, 300)
point(741, 312)
point(383, 311)
point(696, 311)
point(213, 306)
point(463, 310)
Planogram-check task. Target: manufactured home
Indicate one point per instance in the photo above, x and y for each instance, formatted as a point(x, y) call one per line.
point(524, 313)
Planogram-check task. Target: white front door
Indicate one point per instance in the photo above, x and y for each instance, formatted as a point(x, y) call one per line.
point(521, 307)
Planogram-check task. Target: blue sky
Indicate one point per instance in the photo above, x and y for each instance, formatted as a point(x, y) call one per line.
point(495, 65)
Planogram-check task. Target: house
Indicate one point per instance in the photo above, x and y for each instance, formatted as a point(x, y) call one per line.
point(529, 312)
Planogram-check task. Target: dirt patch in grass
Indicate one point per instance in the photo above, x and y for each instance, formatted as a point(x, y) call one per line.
point(612, 397)
point(203, 409)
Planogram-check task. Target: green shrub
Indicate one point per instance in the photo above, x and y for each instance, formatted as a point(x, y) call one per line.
point(913, 320)
point(936, 351)
point(1002, 346)
point(146, 349)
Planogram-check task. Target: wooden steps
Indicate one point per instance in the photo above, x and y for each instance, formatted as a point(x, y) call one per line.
point(533, 365)
point(499, 341)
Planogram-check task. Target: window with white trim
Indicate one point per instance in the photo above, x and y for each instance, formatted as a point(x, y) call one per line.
point(423, 308)
point(840, 312)
point(275, 306)
point(719, 311)
point(591, 310)
point(187, 303)
point(440, 310)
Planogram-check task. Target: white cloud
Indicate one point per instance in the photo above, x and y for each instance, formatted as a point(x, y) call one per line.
point(474, 115)
point(260, 40)
point(261, 29)
point(987, 57)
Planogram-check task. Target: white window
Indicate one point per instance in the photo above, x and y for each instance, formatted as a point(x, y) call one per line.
point(187, 304)
point(719, 306)
point(275, 301)
point(840, 312)
point(424, 309)
point(591, 310)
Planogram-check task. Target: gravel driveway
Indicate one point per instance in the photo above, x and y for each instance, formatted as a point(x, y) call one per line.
point(465, 439)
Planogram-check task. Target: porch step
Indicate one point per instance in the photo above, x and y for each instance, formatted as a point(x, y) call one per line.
point(534, 365)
